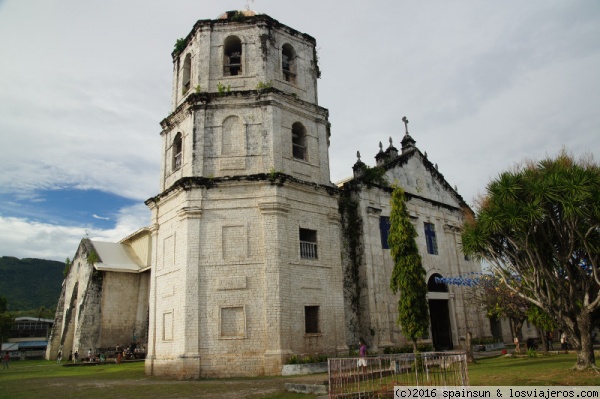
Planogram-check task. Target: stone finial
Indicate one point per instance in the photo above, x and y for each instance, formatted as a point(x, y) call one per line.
point(436, 167)
point(391, 142)
point(455, 188)
point(359, 166)
point(380, 147)
point(425, 154)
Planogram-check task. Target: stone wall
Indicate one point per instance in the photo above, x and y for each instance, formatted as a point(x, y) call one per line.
point(247, 278)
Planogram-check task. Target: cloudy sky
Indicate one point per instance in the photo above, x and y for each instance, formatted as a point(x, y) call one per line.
point(84, 85)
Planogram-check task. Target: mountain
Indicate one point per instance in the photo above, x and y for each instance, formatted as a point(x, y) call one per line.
point(30, 283)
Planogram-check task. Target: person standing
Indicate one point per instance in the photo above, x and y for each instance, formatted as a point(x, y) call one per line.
point(5, 360)
point(59, 357)
point(363, 356)
point(563, 341)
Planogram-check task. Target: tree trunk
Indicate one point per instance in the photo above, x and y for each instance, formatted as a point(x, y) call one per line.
point(542, 335)
point(469, 344)
point(585, 349)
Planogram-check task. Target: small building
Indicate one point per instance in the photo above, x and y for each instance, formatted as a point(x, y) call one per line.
point(104, 298)
point(28, 338)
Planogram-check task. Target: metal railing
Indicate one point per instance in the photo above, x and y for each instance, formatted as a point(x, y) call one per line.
point(350, 378)
point(308, 250)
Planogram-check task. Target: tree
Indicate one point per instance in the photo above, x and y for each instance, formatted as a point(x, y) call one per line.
point(539, 228)
point(499, 300)
point(408, 276)
point(6, 319)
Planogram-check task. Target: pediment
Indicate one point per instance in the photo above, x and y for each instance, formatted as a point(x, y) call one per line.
point(420, 178)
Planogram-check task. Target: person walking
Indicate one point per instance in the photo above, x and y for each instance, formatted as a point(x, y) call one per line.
point(5, 360)
point(59, 357)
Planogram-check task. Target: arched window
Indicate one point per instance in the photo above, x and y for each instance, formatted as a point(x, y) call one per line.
point(435, 284)
point(186, 75)
point(177, 152)
point(288, 63)
point(232, 60)
point(299, 141)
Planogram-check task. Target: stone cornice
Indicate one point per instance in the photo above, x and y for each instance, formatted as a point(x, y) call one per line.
point(277, 179)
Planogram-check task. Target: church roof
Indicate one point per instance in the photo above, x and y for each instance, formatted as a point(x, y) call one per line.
point(116, 258)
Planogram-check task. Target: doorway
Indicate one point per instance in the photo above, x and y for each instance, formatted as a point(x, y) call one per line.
point(439, 313)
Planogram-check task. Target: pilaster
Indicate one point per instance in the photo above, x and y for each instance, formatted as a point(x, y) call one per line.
point(275, 215)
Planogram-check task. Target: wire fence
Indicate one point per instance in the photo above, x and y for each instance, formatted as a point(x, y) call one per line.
point(376, 376)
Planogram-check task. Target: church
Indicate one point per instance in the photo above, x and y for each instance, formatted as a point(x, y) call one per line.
point(253, 255)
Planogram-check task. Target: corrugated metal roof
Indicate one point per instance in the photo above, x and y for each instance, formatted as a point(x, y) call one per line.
point(116, 258)
point(33, 344)
point(10, 346)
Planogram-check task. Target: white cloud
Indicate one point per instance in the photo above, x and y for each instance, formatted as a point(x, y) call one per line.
point(484, 84)
point(23, 238)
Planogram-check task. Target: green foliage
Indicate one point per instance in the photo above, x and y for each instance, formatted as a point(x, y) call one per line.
point(352, 227)
point(41, 312)
point(295, 359)
point(531, 352)
point(179, 45)
point(538, 226)
point(92, 257)
point(237, 16)
point(261, 85)
point(408, 276)
point(374, 175)
point(67, 267)
point(6, 319)
point(197, 89)
point(539, 318)
point(30, 283)
point(222, 89)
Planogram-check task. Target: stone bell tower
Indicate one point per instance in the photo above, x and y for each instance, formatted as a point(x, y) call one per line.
point(246, 267)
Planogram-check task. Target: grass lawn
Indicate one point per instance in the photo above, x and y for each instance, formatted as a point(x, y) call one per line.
point(540, 370)
point(45, 379)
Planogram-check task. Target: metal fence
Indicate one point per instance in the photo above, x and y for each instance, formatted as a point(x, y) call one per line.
point(377, 376)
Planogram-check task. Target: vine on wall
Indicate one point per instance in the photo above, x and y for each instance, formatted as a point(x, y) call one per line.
point(352, 227)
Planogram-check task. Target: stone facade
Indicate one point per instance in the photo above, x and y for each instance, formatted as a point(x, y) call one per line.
point(437, 212)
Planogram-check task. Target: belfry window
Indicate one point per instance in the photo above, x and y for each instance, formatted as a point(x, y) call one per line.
point(299, 141)
point(288, 63)
point(432, 248)
point(177, 152)
point(232, 61)
point(308, 244)
point(186, 75)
